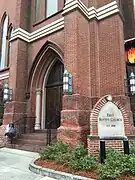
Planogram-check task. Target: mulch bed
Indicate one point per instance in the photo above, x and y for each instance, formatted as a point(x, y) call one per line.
point(63, 168)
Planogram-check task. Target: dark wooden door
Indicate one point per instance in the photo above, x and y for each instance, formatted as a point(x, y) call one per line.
point(54, 96)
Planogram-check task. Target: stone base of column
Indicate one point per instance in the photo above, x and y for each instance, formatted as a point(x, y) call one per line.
point(74, 127)
point(74, 135)
point(75, 123)
point(37, 127)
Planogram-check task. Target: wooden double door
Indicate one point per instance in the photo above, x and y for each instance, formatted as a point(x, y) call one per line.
point(54, 91)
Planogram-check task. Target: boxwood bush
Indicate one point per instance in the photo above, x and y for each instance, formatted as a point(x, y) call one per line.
point(77, 158)
point(116, 163)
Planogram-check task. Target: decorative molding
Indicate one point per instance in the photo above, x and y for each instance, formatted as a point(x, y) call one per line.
point(128, 40)
point(89, 13)
point(92, 12)
point(4, 76)
point(46, 30)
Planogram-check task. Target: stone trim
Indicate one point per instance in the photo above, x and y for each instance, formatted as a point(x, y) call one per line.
point(89, 13)
point(44, 31)
point(4, 76)
point(92, 137)
point(92, 12)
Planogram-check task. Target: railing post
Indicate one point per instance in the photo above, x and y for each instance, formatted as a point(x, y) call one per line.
point(102, 151)
point(126, 145)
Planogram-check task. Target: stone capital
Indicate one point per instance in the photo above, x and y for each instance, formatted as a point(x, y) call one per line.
point(38, 91)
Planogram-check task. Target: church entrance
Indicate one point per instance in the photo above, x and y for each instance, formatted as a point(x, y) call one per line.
point(54, 89)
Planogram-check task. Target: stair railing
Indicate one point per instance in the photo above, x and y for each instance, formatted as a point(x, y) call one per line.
point(24, 125)
point(50, 129)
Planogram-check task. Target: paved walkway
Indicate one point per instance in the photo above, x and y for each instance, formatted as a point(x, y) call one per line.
point(14, 165)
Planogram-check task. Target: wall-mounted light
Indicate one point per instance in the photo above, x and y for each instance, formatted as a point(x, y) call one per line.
point(67, 82)
point(132, 83)
point(7, 93)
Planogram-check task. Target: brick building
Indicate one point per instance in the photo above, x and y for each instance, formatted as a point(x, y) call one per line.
point(40, 39)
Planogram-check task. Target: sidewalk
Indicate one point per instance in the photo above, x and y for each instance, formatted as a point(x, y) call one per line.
point(14, 165)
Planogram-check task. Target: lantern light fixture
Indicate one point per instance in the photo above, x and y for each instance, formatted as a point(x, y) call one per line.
point(132, 83)
point(67, 82)
point(7, 93)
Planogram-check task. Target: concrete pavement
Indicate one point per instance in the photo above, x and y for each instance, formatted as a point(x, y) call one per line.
point(14, 165)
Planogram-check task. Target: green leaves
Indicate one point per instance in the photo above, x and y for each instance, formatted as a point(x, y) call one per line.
point(116, 163)
point(77, 158)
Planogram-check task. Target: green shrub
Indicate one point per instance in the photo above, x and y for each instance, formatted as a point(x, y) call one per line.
point(80, 160)
point(79, 152)
point(115, 165)
point(87, 162)
point(132, 164)
point(132, 147)
point(58, 152)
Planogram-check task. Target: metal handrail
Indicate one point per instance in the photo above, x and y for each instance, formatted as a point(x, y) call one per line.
point(49, 130)
point(23, 125)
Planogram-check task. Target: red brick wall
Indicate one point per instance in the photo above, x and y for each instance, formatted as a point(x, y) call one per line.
point(94, 58)
point(76, 51)
point(94, 145)
point(111, 56)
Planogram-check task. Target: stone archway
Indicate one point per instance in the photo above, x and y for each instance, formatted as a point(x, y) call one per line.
point(53, 96)
point(38, 84)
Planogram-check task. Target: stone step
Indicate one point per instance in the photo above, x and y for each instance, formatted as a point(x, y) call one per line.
point(37, 136)
point(30, 141)
point(26, 147)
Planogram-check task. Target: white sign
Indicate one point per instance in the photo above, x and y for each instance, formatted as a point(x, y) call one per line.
point(110, 121)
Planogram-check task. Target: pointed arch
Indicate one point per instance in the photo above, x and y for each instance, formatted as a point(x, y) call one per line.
point(9, 34)
point(46, 50)
point(4, 31)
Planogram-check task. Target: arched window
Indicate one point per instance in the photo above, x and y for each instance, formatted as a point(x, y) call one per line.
point(4, 43)
point(10, 31)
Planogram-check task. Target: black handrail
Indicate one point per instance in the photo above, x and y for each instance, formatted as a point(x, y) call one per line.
point(24, 125)
point(49, 129)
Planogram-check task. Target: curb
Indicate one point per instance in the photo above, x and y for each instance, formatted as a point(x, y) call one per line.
point(54, 174)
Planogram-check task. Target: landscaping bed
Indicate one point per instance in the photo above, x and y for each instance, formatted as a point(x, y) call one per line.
point(63, 168)
point(61, 157)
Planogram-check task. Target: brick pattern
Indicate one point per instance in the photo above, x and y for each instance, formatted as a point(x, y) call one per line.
point(93, 53)
point(95, 112)
point(111, 56)
point(93, 144)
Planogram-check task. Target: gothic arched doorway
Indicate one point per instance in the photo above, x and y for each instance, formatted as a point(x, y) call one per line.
point(54, 87)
